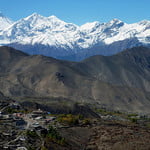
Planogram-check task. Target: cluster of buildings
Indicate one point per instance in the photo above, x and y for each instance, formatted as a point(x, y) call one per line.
point(18, 120)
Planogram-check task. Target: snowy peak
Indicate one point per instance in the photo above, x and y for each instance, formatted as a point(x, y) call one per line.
point(33, 16)
point(37, 19)
point(90, 26)
point(115, 21)
point(55, 19)
point(52, 32)
point(144, 22)
point(36, 22)
point(4, 22)
point(41, 30)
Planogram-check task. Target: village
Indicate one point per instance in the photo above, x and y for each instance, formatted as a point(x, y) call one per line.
point(20, 128)
point(13, 123)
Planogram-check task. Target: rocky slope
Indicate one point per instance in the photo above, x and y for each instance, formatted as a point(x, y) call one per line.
point(36, 75)
point(130, 67)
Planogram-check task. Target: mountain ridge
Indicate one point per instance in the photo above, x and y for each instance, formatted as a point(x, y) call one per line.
point(38, 76)
point(4, 22)
point(51, 36)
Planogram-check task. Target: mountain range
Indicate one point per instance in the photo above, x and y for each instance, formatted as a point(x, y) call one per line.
point(119, 82)
point(53, 37)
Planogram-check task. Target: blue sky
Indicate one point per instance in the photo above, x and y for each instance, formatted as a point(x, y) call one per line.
point(79, 11)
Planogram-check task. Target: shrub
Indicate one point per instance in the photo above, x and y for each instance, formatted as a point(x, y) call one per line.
point(86, 122)
point(134, 120)
point(43, 148)
point(132, 115)
point(32, 134)
point(69, 119)
point(54, 136)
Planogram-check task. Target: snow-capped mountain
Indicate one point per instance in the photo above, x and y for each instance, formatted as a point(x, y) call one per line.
point(4, 22)
point(51, 36)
